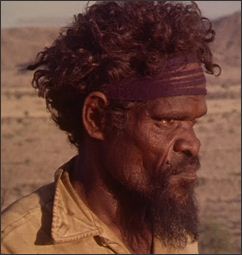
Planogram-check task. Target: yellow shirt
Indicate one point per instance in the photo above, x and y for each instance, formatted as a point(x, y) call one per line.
point(54, 219)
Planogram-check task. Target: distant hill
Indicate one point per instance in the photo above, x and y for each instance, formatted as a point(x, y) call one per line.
point(20, 45)
point(227, 45)
point(227, 53)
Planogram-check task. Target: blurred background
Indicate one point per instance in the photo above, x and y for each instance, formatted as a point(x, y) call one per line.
point(32, 147)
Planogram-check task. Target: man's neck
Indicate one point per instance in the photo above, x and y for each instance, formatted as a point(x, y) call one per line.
point(87, 181)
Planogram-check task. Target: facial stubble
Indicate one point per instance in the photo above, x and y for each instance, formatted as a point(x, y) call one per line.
point(167, 208)
point(173, 210)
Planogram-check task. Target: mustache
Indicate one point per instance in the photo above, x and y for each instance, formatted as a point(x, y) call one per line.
point(183, 163)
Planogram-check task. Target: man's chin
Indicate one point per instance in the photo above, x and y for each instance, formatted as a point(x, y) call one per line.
point(174, 208)
point(175, 216)
point(181, 188)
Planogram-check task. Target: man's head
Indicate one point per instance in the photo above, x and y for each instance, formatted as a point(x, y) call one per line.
point(113, 41)
point(128, 78)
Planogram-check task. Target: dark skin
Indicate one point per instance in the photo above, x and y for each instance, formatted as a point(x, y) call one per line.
point(154, 135)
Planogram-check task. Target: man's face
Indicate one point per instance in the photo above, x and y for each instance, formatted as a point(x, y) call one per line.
point(155, 157)
point(156, 136)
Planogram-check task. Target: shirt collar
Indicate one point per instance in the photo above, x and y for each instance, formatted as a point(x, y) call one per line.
point(73, 220)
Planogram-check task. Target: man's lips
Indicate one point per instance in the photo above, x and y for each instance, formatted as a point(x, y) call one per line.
point(189, 175)
point(184, 168)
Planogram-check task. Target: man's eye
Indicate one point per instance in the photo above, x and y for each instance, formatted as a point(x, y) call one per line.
point(167, 122)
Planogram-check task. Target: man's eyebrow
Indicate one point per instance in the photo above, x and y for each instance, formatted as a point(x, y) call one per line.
point(179, 115)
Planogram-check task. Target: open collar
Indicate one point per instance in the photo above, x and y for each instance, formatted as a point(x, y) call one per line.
point(72, 220)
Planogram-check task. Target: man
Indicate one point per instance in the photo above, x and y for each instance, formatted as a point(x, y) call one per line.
point(126, 82)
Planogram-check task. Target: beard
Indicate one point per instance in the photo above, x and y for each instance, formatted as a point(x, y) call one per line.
point(173, 205)
point(167, 208)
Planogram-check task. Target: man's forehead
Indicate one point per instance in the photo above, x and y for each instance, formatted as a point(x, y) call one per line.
point(194, 106)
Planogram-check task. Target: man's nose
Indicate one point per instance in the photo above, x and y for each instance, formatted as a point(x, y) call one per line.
point(188, 145)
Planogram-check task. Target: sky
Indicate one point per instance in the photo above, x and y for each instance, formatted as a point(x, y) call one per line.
point(59, 13)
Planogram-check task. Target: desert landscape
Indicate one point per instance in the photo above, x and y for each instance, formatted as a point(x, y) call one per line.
point(33, 147)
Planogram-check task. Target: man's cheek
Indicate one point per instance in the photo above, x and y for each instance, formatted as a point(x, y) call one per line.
point(129, 171)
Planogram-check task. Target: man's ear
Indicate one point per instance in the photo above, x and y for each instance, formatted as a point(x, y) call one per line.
point(94, 114)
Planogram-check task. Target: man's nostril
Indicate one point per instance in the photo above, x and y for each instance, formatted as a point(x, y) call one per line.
point(187, 153)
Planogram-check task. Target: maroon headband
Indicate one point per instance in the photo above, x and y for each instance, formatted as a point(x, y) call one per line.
point(174, 80)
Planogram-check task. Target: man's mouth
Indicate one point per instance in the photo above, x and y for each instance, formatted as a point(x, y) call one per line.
point(187, 172)
point(190, 175)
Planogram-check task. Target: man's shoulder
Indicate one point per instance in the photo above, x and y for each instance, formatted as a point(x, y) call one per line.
point(28, 210)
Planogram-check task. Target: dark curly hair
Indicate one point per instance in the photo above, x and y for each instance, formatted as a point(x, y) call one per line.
point(113, 40)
